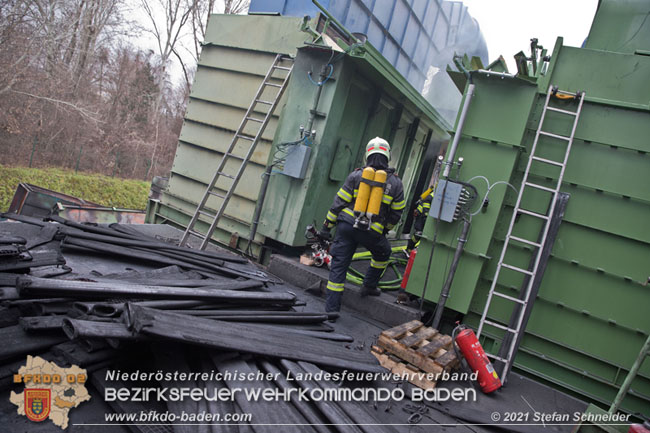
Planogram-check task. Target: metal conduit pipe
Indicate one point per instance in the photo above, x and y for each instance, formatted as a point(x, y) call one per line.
point(496, 74)
point(459, 129)
point(444, 293)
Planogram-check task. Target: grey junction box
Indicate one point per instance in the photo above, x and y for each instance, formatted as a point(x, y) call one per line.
point(452, 195)
point(295, 164)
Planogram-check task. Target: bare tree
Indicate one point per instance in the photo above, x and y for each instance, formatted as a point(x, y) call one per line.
point(235, 6)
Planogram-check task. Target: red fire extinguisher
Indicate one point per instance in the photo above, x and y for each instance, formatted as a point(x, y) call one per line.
point(409, 266)
point(469, 346)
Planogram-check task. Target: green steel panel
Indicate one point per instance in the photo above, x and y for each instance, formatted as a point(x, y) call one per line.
point(624, 84)
point(582, 384)
point(342, 161)
point(623, 217)
point(351, 127)
point(192, 191)
point(217, 140)
point(620, 25)
point(176, 216)
point(615, 126)
point(195, 163)
point(235, 89)
point(572, 369)
point(585, 291)
point(227, 117)
point(494, 162)
point(462, 288)
point(593, 249)
point(236, 59)
point(602, 251)
point(496, 113)
point(256, 33)
point(617, 171)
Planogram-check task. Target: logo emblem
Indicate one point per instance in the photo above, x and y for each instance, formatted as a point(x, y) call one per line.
point(37, 404)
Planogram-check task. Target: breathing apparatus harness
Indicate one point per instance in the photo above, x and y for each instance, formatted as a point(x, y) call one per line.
point(367, 206)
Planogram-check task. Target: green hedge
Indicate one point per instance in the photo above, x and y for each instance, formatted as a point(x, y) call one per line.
point(107, 191)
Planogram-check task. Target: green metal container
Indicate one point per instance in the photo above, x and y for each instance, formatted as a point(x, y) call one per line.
point(592, 314)
point(362, 97)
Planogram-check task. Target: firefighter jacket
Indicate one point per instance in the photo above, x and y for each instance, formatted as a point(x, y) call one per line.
point(392, 204)
point(424, 205)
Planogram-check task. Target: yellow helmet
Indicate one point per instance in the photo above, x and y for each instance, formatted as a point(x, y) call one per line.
point(378, 145)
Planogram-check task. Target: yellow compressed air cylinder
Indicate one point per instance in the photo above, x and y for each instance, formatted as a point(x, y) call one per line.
point(376, 194)
point(361, 204)
point(426, 193)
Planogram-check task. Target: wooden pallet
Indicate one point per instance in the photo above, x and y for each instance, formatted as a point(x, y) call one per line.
point(412, 350)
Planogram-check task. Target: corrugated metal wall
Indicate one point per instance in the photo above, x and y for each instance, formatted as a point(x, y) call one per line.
point(229, 73)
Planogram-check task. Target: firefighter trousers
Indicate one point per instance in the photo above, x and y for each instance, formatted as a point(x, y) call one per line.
point(345, 245)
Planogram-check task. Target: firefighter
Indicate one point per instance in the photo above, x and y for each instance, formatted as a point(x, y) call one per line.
point(420, 215)
point(368, 205)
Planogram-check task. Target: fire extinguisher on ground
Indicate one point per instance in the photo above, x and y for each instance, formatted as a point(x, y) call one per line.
point(471, 349)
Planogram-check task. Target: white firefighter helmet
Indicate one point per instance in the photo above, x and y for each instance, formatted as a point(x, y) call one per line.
point(378, 145)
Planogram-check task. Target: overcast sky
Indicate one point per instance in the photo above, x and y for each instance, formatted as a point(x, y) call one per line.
point(508, 25)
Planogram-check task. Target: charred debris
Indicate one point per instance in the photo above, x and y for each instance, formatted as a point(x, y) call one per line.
point(195, 311)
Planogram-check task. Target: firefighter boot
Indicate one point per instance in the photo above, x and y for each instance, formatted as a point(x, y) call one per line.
point(333, 301)
point(369, 291)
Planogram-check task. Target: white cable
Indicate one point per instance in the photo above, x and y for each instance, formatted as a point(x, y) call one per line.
point(488, 190)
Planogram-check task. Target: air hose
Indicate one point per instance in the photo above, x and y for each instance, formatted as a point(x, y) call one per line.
point(356, 277)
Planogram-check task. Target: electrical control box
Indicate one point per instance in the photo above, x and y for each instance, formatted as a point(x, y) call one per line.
point(295, 163)
point(452, 194)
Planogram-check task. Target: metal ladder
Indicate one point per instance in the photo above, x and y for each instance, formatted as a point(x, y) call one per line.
point(270, 82)
point(538, 245)
point(627, 383)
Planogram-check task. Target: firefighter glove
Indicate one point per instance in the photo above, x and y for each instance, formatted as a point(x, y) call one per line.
point(325, 233)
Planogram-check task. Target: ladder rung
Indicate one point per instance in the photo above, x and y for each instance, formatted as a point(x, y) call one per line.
point(525, 241)
point(221, 173)
point(245, 137)
point(255, 120)
point(273, 85)
point(500, 326)
point(559, 110)
point(208, 214)
point(232, 155)
point(510, 298)
point(527, 212)
point(547, 161)
point(284, 68)
point(514, 268)
point(197, 234)
point(264, 102)
point(543, 188)
point(216, 195)
point(498, 358)
point(561, 137)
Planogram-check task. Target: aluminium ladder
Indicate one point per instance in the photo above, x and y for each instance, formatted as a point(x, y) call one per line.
point(270, 85)
point(524, 300)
